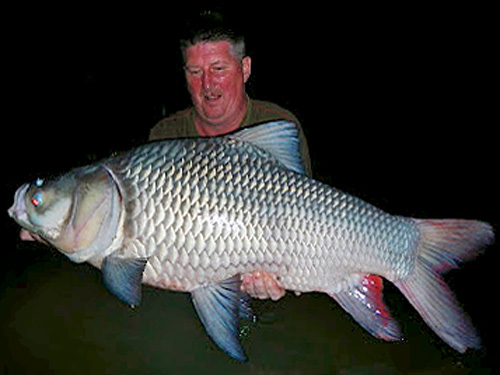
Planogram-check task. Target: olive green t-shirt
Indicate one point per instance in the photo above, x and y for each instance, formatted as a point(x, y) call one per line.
point(181, 124)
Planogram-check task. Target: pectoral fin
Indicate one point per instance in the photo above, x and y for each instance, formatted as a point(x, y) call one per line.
point(220, 307)
point(123, 278)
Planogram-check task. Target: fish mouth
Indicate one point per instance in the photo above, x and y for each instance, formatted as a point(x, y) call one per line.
point(18, 209)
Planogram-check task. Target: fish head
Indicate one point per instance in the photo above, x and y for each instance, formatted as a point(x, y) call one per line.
point(78, 213)
point(42, 207)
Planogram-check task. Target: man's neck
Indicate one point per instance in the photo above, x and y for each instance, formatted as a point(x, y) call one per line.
point(206, 129)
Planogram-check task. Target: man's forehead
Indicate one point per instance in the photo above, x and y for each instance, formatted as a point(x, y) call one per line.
point(210, 51)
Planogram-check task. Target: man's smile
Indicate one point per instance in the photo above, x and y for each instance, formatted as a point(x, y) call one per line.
point(212, 98)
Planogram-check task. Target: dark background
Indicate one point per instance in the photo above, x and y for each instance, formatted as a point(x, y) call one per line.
point(398, 107)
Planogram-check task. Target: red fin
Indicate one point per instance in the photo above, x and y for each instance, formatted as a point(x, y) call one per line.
point(364, 302)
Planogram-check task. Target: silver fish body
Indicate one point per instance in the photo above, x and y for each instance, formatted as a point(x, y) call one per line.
point(208, 211)
point(192, 214)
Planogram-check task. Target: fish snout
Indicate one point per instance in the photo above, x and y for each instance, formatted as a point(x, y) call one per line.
point(18, 209)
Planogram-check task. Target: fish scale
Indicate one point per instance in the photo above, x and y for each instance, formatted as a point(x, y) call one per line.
point(195, 214)
point(307, 223)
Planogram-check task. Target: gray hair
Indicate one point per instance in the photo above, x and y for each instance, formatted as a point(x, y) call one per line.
point(210, 27)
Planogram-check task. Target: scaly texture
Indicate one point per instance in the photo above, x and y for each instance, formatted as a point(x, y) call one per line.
point(203, 211)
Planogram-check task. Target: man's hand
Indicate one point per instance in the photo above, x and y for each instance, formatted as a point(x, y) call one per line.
point(28, 236)
point(262, 285)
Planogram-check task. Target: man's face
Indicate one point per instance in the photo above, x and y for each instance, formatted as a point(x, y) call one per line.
point(216, 81)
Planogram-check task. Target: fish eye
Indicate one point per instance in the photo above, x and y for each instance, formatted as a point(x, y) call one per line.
point(39, 182)
point(37, 200)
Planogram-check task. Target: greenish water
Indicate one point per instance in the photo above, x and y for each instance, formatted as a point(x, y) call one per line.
point(57, 318)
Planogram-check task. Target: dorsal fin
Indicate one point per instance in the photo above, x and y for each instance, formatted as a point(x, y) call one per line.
point(279, 138)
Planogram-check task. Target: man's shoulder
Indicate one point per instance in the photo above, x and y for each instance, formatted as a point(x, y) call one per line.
point(267, 111)
point(178, 125)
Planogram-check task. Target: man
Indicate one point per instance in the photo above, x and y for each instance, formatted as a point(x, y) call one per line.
point(216, 70)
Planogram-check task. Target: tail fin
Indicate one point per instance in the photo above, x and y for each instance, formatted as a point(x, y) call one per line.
point(443, 245)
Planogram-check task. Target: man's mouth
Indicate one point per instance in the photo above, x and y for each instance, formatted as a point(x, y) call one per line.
point(211, 97)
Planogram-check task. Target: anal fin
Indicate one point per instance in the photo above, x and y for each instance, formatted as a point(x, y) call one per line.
point(364, 302)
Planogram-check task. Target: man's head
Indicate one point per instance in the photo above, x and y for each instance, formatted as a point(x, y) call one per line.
point(212, 27)
point(216, 72)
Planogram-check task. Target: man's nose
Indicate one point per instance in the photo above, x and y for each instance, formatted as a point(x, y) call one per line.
point(206, 81)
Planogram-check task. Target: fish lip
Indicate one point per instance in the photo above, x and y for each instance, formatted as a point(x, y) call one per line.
point(18, 210)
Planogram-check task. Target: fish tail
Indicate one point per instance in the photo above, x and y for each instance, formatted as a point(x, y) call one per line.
point(443, 245)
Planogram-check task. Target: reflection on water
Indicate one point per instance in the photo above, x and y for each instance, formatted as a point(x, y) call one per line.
point(57, 318)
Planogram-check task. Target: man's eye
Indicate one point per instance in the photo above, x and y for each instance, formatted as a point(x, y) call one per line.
point(219, 68)
point(193, 72)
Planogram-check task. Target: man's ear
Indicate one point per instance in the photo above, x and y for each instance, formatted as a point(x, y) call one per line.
point(247, 68)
